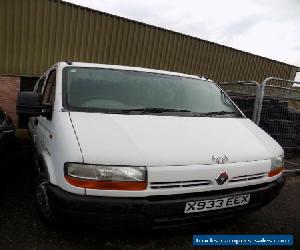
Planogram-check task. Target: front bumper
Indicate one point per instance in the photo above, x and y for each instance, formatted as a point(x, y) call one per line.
point(154, 211)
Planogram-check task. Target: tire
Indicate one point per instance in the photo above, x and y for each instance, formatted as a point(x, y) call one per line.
point(45, 211)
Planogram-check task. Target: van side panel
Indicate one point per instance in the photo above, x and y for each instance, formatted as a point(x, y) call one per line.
point(58, 144)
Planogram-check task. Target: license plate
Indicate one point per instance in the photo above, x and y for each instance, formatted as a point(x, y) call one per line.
point(206, 205)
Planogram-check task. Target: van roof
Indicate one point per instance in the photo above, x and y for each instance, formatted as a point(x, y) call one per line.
point(121, 67)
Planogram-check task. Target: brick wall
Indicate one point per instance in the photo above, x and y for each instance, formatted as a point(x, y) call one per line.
point(9, 88)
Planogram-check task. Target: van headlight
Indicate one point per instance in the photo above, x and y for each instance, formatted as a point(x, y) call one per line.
point(277, 166)
point(106, 177)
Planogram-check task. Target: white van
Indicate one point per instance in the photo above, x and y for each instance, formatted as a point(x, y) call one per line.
point(131, 146)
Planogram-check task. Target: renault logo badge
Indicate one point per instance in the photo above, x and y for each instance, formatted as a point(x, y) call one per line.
point(222, 178)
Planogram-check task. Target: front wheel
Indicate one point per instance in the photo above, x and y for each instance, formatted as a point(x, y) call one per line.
point(42, 201)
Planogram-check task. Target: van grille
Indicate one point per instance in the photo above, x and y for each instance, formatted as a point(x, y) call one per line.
point(248, 177)
point(179, 184)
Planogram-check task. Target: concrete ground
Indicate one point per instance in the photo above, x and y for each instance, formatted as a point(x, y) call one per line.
point(21, 228)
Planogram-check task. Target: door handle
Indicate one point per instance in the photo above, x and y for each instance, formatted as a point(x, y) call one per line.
point(36, 122)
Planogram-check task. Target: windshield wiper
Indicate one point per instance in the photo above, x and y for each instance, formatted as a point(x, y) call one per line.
point(221, 113)
point(155, 110)
point(162, 110)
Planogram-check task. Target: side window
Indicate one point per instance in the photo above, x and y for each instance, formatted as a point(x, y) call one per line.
point(39, 85)
point(49, 90)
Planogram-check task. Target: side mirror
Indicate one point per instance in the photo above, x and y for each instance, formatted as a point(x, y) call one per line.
point(29, 104)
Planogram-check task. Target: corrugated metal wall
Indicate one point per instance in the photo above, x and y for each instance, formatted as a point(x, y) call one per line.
point(35, 34)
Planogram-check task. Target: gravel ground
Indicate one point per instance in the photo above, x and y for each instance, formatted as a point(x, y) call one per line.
point(21, 228)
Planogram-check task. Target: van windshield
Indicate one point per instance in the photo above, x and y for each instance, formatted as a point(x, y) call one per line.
point(125, 91)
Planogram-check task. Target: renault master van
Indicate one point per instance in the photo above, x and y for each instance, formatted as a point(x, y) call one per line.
point(127, 146)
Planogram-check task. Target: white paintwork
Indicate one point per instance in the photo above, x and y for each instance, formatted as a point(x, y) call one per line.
point(150, 140)
point(172, 148)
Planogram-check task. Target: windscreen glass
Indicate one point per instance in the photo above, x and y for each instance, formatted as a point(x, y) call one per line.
point(110, 89)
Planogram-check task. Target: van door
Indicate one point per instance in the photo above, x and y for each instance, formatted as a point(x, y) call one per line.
point(44, 126)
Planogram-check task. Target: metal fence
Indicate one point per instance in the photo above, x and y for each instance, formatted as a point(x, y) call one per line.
point(245, 94)
point(279, 115)
point(274, 105)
